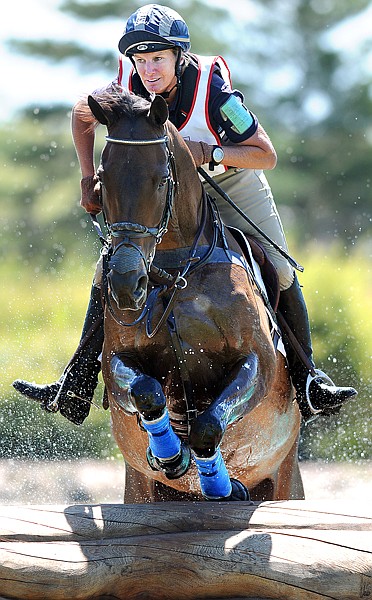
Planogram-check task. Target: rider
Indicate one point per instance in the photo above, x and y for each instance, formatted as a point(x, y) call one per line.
point(226, 138)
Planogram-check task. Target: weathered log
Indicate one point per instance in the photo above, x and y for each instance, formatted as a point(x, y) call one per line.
point(298, 550)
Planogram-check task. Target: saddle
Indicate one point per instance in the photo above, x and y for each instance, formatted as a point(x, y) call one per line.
point(268, 272)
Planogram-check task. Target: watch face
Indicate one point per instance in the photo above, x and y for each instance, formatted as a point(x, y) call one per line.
point(218, 154)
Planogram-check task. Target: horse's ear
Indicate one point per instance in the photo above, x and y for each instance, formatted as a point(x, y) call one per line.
point(158, 112)
point(97, 111)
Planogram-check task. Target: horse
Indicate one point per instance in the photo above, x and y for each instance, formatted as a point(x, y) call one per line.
point(201, 402)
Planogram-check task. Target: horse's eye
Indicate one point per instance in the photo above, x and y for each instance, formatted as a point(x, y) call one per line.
point(163, 182)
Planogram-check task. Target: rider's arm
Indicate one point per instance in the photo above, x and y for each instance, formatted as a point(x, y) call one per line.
point(83, 138)
point(83, 135)
point(245, 142)
point(257, 152)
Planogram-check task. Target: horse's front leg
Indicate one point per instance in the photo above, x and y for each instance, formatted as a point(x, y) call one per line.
point(208, 429)
point(144, 394)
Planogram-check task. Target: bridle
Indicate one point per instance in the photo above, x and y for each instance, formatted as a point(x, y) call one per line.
point(131, 253)
point(132, 231)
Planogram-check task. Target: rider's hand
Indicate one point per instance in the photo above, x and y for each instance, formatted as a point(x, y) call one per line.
point(201, 152)
point(90, 195)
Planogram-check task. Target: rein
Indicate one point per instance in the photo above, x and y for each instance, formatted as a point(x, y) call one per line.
point(227, 198)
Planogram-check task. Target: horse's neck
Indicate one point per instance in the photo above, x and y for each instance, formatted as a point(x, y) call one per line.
point(187, 206)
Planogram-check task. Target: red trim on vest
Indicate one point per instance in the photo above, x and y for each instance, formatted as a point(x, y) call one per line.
point(216, 137)
point(227, 69)
point(195, 95)
point(120, 73)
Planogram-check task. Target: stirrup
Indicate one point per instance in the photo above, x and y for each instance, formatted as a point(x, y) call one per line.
point(310, 378)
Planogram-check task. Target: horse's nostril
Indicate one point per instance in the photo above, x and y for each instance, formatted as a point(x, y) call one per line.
point(141, 286)
point(128, 291)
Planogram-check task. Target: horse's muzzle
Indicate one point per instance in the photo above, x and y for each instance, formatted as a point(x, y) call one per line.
point(128, 278)
point(129, 290)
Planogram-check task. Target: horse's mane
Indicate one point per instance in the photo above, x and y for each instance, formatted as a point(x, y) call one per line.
point(119, 103)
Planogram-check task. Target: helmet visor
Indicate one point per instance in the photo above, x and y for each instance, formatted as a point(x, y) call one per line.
point(136, 42)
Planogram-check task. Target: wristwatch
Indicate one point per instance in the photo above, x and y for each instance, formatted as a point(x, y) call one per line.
point(217, 157)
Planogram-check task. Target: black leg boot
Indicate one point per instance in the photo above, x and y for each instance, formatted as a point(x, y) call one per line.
point(315, 391)
point(72, 394)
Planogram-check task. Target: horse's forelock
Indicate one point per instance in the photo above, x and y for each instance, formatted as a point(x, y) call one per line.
point(115, 104)
point(122, 104)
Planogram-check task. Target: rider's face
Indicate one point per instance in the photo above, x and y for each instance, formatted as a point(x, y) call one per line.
point(156, 70)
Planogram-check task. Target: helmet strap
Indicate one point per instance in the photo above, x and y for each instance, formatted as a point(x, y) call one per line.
point(178, 72)
point(166, 95)
point(178, 65)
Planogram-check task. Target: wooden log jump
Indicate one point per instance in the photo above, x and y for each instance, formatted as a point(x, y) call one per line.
point(288, 550)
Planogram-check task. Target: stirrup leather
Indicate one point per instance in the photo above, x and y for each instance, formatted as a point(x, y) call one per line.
point(53, 406)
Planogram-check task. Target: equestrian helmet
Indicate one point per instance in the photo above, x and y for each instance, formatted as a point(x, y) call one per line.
point(152, 28)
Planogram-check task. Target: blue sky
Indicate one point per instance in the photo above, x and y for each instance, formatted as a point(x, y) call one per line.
point(26, 80)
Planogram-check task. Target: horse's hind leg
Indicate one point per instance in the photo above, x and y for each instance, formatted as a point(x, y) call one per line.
point(288, 481)
point(138, 488)
point(285, 484)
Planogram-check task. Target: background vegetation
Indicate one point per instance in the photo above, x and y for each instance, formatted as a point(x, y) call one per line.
point(314, 100)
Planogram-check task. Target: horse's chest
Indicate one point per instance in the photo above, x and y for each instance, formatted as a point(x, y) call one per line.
point(192, 354)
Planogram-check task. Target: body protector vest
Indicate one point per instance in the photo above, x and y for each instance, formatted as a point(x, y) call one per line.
point(192, 113)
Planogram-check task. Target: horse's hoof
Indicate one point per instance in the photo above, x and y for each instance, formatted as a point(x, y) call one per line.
point(239, 492)
point(172, 469)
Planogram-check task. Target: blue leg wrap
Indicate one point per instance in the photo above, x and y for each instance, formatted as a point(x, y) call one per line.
point(164, 443)
point(214, 479)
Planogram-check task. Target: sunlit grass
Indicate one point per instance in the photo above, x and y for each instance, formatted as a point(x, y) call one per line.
point(338, 291)
point(42, 315)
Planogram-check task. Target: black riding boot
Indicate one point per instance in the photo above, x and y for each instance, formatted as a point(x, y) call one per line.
point(72, 394)
point(315, 391)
